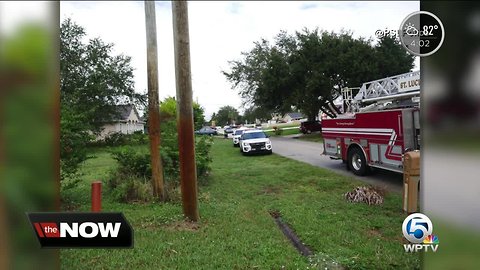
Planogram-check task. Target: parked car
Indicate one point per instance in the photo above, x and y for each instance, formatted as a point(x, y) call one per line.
point(228, 132)
point(254, 141)
point(236, 136)
point(206, 131)
point(310, 126)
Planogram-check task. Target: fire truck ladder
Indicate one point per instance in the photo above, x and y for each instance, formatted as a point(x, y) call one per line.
point(387, 88)
point(347, 99)
point(382, 91)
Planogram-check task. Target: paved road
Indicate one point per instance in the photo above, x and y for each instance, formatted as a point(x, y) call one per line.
point(310, 152)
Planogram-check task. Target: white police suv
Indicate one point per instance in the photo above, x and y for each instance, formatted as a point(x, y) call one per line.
point(254, 141)
point(236, 136)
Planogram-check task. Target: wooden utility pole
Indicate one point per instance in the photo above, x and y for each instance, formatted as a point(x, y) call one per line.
point(5, 244)
point(153, 106)
point(186, 139)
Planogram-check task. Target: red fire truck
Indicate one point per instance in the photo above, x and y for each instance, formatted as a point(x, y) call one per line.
point(377, 126)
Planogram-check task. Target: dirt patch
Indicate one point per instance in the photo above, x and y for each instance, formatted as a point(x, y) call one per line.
point(374, 233)
point(274, 213)
point(149, 225)
point(70, 207)
point(182, 226)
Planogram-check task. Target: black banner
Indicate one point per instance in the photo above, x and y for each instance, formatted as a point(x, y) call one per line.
point(81, 230)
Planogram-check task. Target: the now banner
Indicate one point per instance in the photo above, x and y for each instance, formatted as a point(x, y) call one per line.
point(81, 230)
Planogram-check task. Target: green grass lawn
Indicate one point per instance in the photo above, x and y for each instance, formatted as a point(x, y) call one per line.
point(236, 230)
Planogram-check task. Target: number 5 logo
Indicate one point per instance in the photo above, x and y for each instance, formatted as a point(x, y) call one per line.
point(417, 227)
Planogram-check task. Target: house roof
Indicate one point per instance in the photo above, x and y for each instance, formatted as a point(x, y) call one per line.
point(124, 111)
point(294, 115)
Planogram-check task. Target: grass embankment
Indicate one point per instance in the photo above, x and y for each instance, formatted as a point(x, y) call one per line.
point(236, 230)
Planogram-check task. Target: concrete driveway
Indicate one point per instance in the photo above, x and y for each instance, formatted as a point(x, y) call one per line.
point(310, 152)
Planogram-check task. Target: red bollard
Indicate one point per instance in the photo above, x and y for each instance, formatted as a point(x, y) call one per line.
point(96, 196)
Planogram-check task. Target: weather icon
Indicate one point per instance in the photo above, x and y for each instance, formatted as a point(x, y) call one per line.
point(411, 30)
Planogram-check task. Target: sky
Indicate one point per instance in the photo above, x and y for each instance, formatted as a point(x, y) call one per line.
point(219, 32)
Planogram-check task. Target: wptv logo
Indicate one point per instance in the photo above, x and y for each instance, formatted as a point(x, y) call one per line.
point(418, 230)
point(72, 230)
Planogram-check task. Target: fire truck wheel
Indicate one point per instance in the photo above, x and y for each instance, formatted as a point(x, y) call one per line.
point(357, 162)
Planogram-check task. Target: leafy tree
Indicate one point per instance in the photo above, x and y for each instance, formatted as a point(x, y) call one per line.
point(92, 82)
point(213, 117)
point(392, 59)
point(226, 115)
point(253, 113)
point(310, 67)
point(262, 76)
point(307, 70)
point(74, 138)
point(168, 112)
point(169, 140)
point(198, 116)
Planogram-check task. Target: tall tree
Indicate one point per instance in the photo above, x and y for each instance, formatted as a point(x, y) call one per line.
point(168, 112)
point(92, 82)
point(226, 115)
point(310, 66)
point(263, 75)
point(391, 58)
point(308, 69)
point(253, 113)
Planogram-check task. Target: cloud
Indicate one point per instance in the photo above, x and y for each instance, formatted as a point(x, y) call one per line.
point(234, 7)
point(308, 6)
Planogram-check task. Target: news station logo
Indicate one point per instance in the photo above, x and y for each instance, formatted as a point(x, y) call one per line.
point(82, 230)
point(417, 229)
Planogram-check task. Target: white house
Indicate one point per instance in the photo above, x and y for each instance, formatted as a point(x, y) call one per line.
point(128, 122)
point(292, 116)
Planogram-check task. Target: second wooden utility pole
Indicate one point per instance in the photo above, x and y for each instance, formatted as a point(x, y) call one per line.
point(186, 138)
point(153, 106)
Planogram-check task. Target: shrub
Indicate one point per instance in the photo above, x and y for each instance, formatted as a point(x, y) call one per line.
point(132, 161)
point(203, 158)
point(126, 187)
point(115, 139)
point(170, 157)
point(130, 180)
point(74, 139)
point(137, 138)
point(119, 139)
point(134, 169)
